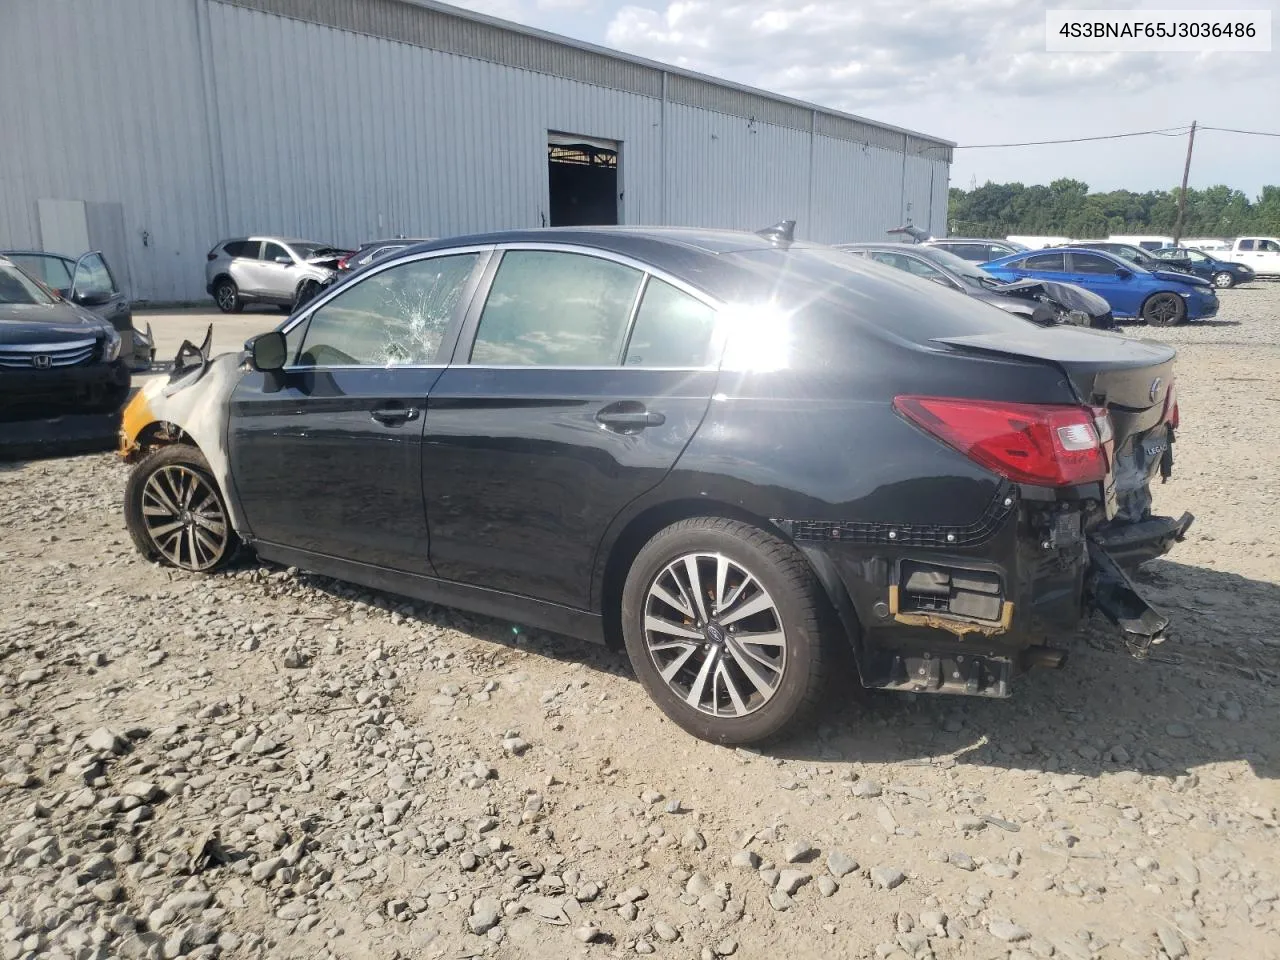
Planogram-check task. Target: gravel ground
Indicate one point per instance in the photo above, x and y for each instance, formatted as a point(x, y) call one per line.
point(268, 764)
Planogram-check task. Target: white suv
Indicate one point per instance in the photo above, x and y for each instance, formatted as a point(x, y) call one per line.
point(274, 270)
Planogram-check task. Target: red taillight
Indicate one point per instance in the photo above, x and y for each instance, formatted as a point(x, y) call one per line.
point(342, 263)
point(1049, 445)
point(1170, 415)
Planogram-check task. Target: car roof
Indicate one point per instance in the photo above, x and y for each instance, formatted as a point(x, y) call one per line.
point(36, 253)
point(937, 240)
point(624, 240)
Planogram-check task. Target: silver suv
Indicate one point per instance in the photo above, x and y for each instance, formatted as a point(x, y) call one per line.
point(274, 270)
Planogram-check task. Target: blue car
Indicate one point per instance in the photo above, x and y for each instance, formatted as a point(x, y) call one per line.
point(1162, 298)
point(1221, 273)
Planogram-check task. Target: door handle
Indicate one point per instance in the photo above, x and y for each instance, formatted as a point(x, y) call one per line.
point(629, 419)
point(394, 416)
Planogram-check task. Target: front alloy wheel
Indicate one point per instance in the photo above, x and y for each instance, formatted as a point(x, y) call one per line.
point(1223, 280)
point(175, 512)
point(727, 630)
point(1164, 310)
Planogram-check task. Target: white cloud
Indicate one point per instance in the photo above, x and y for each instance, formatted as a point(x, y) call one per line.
point(850, 55)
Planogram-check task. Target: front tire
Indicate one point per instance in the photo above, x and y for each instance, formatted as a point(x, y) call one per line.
point(1224, 280)
point(727, 630)
point(306, 292)
point(175, 512)
point(1164, 310)
point(227, 296)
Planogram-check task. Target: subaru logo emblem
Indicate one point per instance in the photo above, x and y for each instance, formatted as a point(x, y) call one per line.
point(42, 361)
point(715, 633)
point(1155, 389)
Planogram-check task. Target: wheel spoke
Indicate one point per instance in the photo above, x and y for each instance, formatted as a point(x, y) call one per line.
point(731, 688)
point(695, 586)
point(757, 604)
point(771, 638)
point(758, 680)
point(696, 689)
point(155, 488)
point(658, 625)
point(677, 664)
point(161, 529)
point(722, 574)
point(675, 603)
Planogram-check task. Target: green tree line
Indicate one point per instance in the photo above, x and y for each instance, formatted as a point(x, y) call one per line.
point(1067, 208)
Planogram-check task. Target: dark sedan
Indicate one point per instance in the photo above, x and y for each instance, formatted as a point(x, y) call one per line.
point(88, 281)
point(1137, 255)
point(1042, 301)
point(734, 454)
point(1221, 273)
point(55, 357)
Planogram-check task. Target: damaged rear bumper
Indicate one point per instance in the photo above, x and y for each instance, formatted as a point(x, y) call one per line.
point(1135, 543)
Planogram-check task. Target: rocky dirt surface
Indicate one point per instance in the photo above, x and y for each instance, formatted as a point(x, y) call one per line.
point(269, 764)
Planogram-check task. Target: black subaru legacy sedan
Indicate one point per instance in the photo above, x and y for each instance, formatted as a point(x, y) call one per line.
point(732, 453)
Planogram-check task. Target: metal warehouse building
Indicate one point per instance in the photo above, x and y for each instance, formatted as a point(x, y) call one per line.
point(151, 129)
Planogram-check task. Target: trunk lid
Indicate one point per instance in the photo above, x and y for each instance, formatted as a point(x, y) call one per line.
point(1131, 378)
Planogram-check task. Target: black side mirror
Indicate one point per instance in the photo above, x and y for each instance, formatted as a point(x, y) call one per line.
point(268, 351)
point(89, 298)
point(1123, 273)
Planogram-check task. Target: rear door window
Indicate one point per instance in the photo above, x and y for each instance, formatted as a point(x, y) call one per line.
point(1052, 262)
point(51, 271)
point(556, 309)
point(672, 329)
point(242, 248)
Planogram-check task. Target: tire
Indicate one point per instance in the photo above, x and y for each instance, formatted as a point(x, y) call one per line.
point(762, 572)
point(227, 296)
point(1223, 280)
point(1164, 310)
point(203, 540)
point(306, 291)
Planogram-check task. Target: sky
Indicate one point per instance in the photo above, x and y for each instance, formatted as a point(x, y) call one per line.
point(970, 71)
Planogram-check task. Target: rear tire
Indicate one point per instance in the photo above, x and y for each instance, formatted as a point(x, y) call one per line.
point(1223, 280)
point(175, 512)
point(712, 680)
point(227, 296)
point(1164, 310)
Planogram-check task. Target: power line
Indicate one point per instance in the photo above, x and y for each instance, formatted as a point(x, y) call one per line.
point(1164, 132)
point(1251, 133)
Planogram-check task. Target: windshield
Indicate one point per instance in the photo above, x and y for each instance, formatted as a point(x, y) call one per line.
point(958, 265)
point(51, 271)
point(17, 287)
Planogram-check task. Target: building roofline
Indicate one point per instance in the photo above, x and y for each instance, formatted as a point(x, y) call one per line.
point(464, 14)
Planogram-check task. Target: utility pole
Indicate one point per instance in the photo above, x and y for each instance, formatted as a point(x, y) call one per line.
point(1182, 196)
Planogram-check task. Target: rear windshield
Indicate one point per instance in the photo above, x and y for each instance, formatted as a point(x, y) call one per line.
point(17, 287)
point(830, 285)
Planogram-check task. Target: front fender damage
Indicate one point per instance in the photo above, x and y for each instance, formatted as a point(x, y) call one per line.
point(191, 406)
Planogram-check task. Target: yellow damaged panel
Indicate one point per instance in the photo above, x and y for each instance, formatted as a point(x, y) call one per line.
point(955, 625)
point(136, 417)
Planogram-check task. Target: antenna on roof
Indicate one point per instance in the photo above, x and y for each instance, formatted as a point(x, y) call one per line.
point(784, 231)
point(915, 233)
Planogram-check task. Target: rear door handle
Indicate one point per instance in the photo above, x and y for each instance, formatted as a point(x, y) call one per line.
point(629, 419)
point(394, 416)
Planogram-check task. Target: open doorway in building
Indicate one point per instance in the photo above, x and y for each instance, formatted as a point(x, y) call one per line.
point(583, 177)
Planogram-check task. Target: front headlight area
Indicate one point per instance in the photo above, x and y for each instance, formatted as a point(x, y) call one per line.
point(111, 346)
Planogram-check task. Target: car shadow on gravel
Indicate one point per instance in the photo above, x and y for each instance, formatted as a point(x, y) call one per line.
point(1198, 700)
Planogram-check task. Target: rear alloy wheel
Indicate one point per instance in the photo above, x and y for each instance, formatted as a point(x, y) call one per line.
point(175, 511)
point(1223, 280)
point(227, 295)
point(1164, 310)
point(724, 627)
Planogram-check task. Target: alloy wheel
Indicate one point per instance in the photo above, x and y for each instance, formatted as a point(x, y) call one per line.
point(184, 518)
point(1163, 309)
point(715, 635)
point(1223, 280)
point(226, 297)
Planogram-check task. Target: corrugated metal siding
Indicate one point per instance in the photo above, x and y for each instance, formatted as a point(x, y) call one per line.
point(206, 119)
point(724, 171)
point(102, 104)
